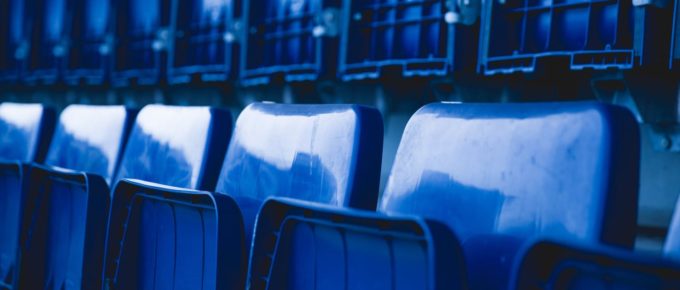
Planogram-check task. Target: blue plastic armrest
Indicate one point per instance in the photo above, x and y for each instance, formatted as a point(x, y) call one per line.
point(304, 245)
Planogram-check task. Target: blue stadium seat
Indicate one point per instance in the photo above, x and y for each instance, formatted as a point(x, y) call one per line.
point(558, 265)
point(142, 40)
point(49, 49)
point(182, 147)
point(25, 131)
point(290, 40)
point(177, 146)
point(67, 201)
point(302, 245)
point(411, 38)
point(164, 237)
point(523, 36)
point(90, 42)
point(323, 153)
point(14, 38)
point(498, 175)
point(206, 38)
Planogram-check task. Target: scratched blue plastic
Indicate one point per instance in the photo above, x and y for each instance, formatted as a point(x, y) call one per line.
point(25, 132)
point(67, 209)
point(593, 34)
point(289, 39)
point(323, 153)
point(163, 237)
point(49, 49)
point(177, 146)
point(90, 43)
point(556, 265)
point(206, 41)
point(14, 38)
point(409, 37)
point(499, 174)
point(142, 39)
point(302, 245)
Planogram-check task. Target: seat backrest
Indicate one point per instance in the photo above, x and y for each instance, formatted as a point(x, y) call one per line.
point(162, 237)
point(26, 130)
point(90, 139)
point(322, 153)
point(177, 146)
point(554, 265)
point(65, 211)
point(498, 174)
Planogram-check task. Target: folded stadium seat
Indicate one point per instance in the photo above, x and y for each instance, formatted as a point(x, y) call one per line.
point(181, 147)
point(196, 240)
point(25, 131)
point(549, 264)
point(67, 200)
point(496, 175)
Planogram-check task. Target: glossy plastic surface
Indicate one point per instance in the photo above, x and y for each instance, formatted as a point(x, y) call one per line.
point(519, 36)
point(49, 49)
point(66, 211)
point(552, 265)
point(302, 245)
point(206, 38)
point(13, 39)
point(498, 174)
point(324, 153)
point(177, 146)
point(412, 38)
point(142, 39)
point(63, 230)
point(25, 131)
point(295, 40)
point(169, 238)
point(91, 42)
point(90, 139)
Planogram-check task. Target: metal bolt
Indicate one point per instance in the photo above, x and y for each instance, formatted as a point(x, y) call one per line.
point(666, 142)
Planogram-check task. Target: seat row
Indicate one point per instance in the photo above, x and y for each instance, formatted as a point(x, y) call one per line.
point(480, 196)
point(258, 41)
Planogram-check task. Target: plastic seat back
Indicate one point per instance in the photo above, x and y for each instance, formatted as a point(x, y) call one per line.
point(498, 174)
point(163, 237)
point(177, 146)
point(205, 43)
point(67, 209)
point(554, 265)
point(25, 130)
point(303, 245)
point(323, 153)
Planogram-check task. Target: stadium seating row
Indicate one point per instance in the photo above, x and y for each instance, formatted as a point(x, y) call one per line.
point(481, 196)
point(258, 41)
